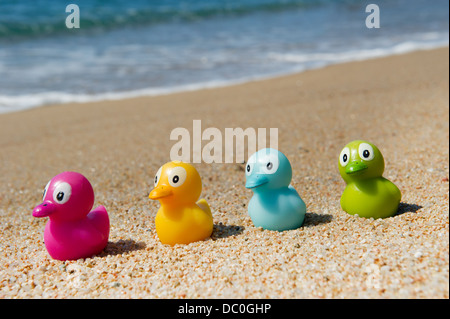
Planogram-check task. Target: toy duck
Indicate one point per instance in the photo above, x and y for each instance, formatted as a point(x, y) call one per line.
point(73, 231)
point(367, 193)
point(181, 219)
point(275, 204)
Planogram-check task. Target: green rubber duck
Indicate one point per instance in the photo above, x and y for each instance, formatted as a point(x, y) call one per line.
point(368, 193)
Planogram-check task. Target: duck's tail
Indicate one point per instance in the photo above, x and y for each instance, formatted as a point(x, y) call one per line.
point(203, 204)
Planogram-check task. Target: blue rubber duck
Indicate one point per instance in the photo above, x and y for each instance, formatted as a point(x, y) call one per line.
point(275, 204)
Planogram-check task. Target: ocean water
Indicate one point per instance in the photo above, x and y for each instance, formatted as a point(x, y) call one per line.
point(132, 48)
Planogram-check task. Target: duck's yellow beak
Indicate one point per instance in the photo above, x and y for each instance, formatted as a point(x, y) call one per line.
point(160, 192)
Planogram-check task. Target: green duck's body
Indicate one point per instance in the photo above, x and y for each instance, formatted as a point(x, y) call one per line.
point(367, 193)
point(376, 197)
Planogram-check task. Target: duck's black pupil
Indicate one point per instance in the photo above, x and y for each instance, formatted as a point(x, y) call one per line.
point(269, 166)
point(248, 168)
point(156, 179)
point(366, 153)
point(60, 196)
point(345, 158)
point(175, 179)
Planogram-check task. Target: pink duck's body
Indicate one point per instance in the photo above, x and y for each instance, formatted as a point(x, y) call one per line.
point(73, 230)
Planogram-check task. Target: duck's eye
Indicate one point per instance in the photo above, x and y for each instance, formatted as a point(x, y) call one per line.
point(60, 196)
point(45, 190)
point(177, 176)
point(366, 152)
point(344, 157)
point(158, 176)
point(271, 163)
point(62, 192)
point(248, 169)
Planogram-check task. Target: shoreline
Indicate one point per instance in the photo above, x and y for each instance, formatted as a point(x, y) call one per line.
point(73, 98)
point(400, 103)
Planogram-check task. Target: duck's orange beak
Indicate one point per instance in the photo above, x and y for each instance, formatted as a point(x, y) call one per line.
point(160, 192)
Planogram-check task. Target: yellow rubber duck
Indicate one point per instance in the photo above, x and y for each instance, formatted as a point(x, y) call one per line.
point(181, 219)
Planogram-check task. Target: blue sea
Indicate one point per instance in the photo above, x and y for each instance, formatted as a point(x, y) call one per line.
point(133, 48)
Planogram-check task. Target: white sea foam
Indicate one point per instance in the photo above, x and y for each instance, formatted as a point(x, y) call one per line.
point(299, 62)
point(327, 58)
point(27, 101)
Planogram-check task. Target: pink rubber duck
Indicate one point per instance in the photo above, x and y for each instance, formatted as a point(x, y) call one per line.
point(73, 230)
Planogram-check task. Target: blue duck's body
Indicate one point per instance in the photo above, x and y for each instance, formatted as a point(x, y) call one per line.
point(275, 204)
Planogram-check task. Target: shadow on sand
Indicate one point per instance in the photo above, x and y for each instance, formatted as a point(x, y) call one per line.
point(223, 231)
point(122, 246)
point(314, 219)
point(407, 208)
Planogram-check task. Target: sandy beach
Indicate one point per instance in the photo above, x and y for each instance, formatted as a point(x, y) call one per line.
point(400, 103)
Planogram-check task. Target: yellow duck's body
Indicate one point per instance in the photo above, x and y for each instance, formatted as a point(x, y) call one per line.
point(181, 219)
point(184, 225)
